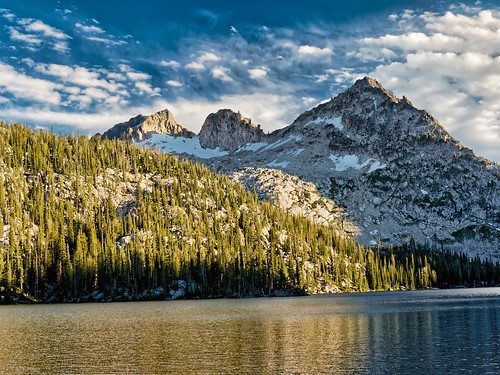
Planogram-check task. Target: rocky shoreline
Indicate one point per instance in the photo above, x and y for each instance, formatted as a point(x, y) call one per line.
point(181, 290)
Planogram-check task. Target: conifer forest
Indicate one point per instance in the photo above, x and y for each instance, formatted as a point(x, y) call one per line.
point(82, 215)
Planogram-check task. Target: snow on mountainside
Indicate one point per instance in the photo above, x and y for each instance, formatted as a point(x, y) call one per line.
point(181, 145)
point(393, 169)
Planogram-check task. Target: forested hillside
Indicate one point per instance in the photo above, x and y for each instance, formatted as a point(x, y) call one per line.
point(84, 217)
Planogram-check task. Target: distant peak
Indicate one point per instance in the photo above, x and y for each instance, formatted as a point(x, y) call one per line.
point(142, 127)
point(229, 130)
point(231, 115)
point(368, 81)
point(370, 85)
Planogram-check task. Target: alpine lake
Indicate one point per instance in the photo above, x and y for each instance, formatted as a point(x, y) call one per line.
point(453, 331)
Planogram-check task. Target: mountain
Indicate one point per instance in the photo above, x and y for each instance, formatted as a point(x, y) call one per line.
point(91, 220)
point(228, 131)
point(392, 169)
point(142, 127)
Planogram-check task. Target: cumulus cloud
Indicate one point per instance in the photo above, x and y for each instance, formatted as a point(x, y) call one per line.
point(170, 63)
point(35, 33)
point(91, 29)
point(80, 76)
point(222, 73)
point(146, 88)
point(7, 14)
point(173, 83)
point(452, 69)
point(314, 51)
point(17, 36)
point(257, 73)
point(38, 26)
point(139, 81)
point(199, 63)
point(76, 87)
point(22, 86)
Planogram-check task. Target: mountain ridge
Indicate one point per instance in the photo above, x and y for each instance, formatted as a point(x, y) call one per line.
point(395, 171)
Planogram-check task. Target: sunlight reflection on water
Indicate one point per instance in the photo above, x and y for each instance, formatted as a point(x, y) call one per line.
point(450, 331)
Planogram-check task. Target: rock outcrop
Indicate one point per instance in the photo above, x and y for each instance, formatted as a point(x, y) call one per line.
point(142, 127)
point(228, 131)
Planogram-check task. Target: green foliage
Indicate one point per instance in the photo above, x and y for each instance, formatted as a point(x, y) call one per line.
point(79, 215)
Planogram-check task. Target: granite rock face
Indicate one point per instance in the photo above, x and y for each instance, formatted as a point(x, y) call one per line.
point(228, 131)
point(142, 127)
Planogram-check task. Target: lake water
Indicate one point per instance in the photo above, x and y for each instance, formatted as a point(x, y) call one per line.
point(424, 332)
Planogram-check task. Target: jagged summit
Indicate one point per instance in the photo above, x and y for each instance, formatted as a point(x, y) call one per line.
point(229, 130)
point(141, 127)
point(368, 83)
point(368, 116)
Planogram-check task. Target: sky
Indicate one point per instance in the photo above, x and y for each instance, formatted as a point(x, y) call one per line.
point(82, 66)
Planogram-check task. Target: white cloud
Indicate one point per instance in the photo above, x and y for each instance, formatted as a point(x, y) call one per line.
point(170, 63)
point(44, 29)
point(222, 73)
point(25, 87)
point(17, 36)
point(314, 51)
point(173, 83)
point(116, 76)
point(36, 33)
point(146, 88)
point(61, 47)
point(91, 122)
point(199, 63)
point(80, 76)
point(321, 78)
point(257, 73)
point(7, 14)
point(138, 76)
point(109, 42)
point(208, 56)
point(194, 65)
point(451, 68)
point(91, 29)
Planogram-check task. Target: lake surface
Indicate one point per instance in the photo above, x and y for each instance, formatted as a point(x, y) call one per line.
point(429, 332)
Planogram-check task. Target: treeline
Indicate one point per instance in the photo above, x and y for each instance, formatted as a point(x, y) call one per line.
point(80, 215)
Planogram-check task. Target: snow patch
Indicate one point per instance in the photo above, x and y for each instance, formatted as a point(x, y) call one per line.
point(342, 163)
point(424, 192)
point(335, 121)
point(375, 104)
point(373, 242)
point(276, 144)
point(375, 165)
point(298, 151)
point(252, 146)
point(181, 145)
point(276, 164)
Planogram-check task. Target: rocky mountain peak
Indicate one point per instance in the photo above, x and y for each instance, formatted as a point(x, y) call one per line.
point(142, 127)
point(229, 130)
point(369, 118)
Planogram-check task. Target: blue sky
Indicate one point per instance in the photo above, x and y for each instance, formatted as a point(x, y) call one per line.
point(86, 65)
